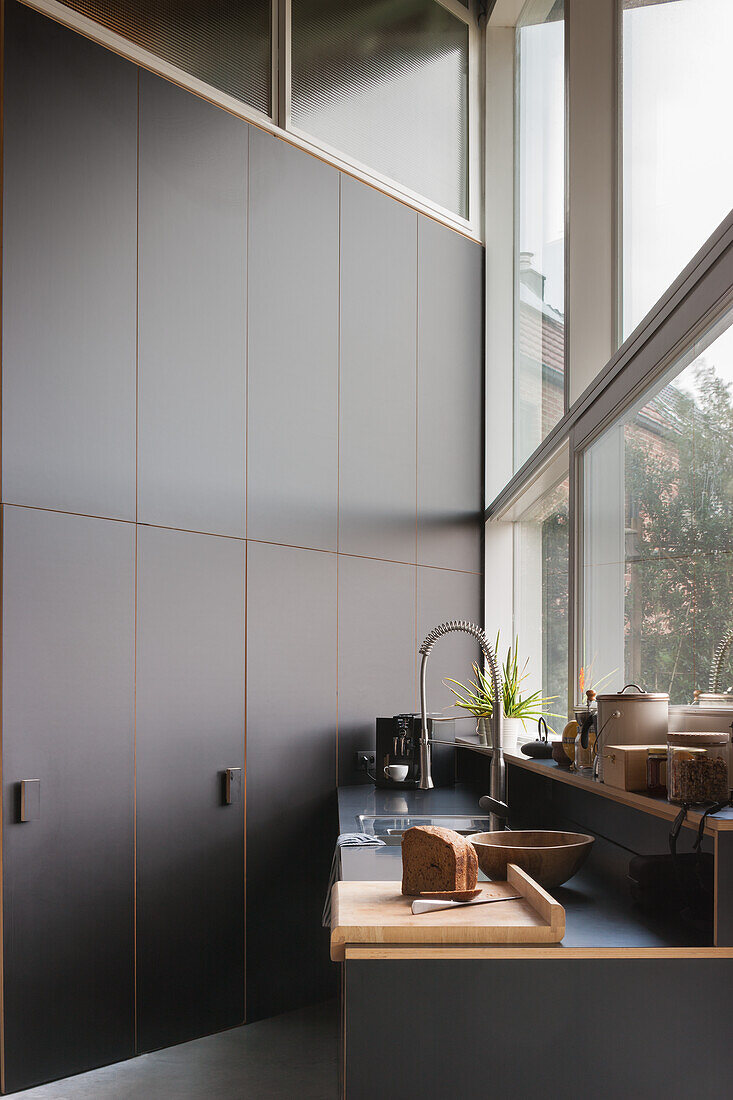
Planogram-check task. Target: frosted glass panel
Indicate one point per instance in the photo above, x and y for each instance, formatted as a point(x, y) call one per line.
point(222, 42)
point(387, 86)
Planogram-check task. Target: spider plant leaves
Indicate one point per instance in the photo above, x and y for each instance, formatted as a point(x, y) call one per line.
point(477, 696)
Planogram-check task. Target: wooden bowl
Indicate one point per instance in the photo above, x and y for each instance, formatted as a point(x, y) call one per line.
point(550, 858)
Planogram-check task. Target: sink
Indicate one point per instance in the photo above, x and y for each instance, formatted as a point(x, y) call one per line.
point(390, 827)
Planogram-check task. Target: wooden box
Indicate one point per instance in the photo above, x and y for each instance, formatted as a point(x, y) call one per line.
point(624, 766)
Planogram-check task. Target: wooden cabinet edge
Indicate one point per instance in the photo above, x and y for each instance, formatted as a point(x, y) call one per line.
point(395, 952)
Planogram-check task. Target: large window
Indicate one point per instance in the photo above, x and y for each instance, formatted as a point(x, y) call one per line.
point(677, 152)
point(646, 592)
point(659, 527)
point(541, 544)
point(527, 583)
point(539, 354)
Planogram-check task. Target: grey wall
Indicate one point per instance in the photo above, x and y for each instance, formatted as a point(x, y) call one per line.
point(264, 378)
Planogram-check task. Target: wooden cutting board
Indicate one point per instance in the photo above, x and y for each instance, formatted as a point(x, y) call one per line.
point(378, 913)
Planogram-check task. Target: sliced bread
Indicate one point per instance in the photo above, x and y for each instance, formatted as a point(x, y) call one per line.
point(435, 859)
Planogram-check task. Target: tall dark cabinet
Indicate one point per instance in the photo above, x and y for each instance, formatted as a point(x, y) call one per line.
point(291, 758)
point(190, 592)
point(190, 731)
point(192, 272)
point(68, 404)
point(69, 227)
point(241, 474)
point(124, 262)
point(68, 722)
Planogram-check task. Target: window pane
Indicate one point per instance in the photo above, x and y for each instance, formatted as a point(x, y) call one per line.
point(222, 42)
point(677, 156)
point(659, 528)
point(539, 359)
point(541, 545)
point(386, 85)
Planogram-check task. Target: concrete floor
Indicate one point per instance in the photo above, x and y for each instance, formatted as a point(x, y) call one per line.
point(290, 1057)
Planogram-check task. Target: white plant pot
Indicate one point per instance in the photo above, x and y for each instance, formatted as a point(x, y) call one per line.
point(516, 732)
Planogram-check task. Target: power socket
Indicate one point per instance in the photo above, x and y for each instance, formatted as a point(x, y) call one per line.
point(365, 760)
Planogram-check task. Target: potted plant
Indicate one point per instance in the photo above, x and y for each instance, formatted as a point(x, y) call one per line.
point(477, 697)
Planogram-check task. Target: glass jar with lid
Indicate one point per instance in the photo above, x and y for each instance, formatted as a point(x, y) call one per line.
point(585, 742)
point(697, 767)
point(656, 771)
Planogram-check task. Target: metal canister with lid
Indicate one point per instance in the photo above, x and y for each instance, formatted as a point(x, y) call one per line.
point(697, 767)
point(632, 718)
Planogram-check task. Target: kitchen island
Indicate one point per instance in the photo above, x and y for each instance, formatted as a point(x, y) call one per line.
point(602, 1013)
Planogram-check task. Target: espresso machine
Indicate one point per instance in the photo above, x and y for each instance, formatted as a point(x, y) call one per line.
point(397, 748)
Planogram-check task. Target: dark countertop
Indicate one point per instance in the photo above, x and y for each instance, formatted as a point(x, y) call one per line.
point(599, 910)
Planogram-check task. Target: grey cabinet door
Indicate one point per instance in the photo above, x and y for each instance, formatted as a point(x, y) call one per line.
point(449, 399)
point(192, 368)
point(69, 282)
point(292, 475)
point(190, 729)
point(291, 774)
point(377, 651)
point(68, 691)
point(377, 450)
point(443, 594)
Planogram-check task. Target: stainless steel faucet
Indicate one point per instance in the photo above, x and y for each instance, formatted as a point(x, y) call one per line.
point(719, 656)
point(498, 768)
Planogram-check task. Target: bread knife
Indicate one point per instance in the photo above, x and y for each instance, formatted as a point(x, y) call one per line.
point(423, 905)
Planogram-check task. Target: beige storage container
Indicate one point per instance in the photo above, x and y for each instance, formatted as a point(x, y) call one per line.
point(624, 766)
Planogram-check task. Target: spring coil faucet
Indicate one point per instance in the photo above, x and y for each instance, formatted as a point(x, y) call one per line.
point(498, 775)
point(719, 656)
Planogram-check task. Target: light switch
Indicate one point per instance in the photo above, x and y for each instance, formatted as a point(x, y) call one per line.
point(233, 785)
point(30, 799)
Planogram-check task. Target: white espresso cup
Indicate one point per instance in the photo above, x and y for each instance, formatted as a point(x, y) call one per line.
point(397, 772)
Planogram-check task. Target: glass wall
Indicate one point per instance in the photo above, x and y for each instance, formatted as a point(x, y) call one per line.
point(677, 152)
point(651, 586)
point(658, 507)
point(386, 85)
point(539, 353)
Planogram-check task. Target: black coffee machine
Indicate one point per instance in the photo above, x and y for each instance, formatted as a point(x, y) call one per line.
point(398, 745)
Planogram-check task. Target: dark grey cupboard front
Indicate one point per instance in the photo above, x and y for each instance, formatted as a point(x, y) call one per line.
point(68, 722)
point(192, 312)
point(190, 731)
point(135, 844)
point(69, 259)
point(124, 404)
point(241, 454)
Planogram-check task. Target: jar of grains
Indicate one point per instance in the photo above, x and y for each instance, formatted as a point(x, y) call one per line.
point(697, 767)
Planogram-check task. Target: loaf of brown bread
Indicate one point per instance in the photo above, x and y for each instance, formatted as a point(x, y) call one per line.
point(437, 859)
